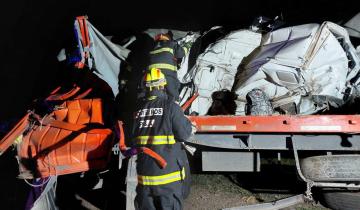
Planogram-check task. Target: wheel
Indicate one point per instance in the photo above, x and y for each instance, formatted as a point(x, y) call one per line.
point(341, 200)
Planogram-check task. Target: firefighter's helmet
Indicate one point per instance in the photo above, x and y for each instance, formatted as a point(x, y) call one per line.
point(162, 37)
point(154, 78)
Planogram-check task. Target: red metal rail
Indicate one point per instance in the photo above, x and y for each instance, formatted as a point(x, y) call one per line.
point(279, 124)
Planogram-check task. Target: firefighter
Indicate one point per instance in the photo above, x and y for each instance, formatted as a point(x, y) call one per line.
point(165, 56)
point(160, 126)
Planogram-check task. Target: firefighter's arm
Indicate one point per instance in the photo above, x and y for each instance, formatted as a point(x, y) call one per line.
point(179, 51)
point(181, 125)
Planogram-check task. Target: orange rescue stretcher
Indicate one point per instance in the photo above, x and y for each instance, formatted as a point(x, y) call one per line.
point(72, 138)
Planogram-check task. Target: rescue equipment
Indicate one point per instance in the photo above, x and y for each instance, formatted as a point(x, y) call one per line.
point(72, 138)
point(85, 41)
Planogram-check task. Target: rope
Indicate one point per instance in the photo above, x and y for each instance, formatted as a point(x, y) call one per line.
point(34, 185)
point(38, 185)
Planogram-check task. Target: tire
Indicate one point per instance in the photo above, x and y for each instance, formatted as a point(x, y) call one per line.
point(341, 200)
point(333, 168)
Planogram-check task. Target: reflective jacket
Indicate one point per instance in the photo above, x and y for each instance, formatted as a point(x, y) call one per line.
point(165, 56)
point(160, 125)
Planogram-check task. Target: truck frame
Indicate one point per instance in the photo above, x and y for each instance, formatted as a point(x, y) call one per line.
point(325, 148)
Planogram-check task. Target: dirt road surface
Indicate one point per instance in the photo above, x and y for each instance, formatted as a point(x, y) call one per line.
point(224, 190)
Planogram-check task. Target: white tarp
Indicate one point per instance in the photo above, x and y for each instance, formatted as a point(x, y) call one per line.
point(47, 199)
point(106, 56)
point(294, 64)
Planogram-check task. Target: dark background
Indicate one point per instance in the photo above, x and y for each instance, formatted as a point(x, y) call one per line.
point(34, 31)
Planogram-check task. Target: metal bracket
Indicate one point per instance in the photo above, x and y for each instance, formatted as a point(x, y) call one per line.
point(309, 183)
point(243, 138)
point(308, 194)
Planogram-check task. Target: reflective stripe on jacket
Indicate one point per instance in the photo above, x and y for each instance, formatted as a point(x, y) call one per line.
point(165, 55)
point(155, 140)
point(163, 66)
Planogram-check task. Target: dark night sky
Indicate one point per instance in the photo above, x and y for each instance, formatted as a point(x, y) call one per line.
point(34, 31)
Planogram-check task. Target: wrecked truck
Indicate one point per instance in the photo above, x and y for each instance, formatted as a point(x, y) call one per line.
point(304, 71)
point(325, 148)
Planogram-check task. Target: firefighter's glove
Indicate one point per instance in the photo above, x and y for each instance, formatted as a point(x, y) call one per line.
point(130, 152)
point(188, 45)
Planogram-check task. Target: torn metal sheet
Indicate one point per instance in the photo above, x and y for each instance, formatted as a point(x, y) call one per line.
point(353, 26)
point(309, 65)
point(216, 67)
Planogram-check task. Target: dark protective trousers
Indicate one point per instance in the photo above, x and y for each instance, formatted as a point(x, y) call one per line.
point(162, 197)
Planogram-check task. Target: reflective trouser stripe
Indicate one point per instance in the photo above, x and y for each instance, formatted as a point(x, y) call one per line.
point(164, 49)
point(163, 66)
point(155, 140)
point(162, 179)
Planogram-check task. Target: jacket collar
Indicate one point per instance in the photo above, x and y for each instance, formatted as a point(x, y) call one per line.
point(156, 94)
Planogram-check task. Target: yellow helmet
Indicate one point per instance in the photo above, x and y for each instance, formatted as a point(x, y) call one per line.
point(154, 78)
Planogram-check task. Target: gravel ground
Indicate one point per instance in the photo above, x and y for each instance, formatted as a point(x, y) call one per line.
point(210, 191)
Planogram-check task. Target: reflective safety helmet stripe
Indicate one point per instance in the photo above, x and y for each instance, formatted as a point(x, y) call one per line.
point(163, 66)
point(164, 49)
point(155, 140)
point(162, 179)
